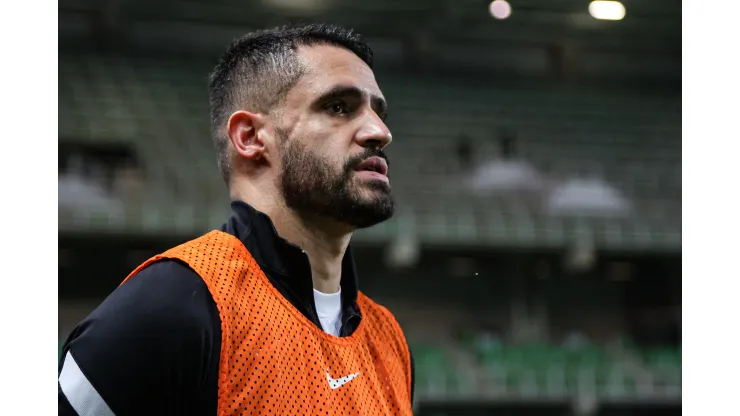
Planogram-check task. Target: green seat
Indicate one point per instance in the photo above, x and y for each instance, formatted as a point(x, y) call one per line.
point(537, 360)
point(662, 357)
point(503, 362)
point(619, 381)
point(492, 356)
point(588, 364)
point(434, 371)
point(665, 362)
point(428, 356)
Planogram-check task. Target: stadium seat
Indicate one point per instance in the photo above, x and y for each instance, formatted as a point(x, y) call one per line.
point(665, 363)
point(161, 107)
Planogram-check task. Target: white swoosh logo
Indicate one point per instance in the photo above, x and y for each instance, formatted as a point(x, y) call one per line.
point(339, 382)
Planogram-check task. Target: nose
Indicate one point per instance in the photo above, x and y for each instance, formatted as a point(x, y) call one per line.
point(373, 132)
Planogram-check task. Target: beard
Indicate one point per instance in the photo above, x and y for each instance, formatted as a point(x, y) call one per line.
point(312, 187)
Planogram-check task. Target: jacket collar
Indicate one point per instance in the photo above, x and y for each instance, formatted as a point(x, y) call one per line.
point(285, 261)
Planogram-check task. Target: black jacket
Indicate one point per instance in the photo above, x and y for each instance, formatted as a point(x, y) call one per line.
point(153, 346)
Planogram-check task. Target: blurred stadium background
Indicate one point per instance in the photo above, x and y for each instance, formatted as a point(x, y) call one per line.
point(534, 262)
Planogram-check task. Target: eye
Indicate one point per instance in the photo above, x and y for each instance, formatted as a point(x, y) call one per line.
point(337, 108)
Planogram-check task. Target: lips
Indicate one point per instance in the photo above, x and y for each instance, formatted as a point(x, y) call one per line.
point(374, 164)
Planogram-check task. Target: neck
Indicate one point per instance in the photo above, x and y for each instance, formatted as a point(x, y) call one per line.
point(324, 245)
point(324, 241)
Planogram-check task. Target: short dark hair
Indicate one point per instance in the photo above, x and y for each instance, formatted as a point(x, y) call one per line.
point(259, 69)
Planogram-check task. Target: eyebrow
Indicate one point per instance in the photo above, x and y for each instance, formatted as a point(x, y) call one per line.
point(377, 102)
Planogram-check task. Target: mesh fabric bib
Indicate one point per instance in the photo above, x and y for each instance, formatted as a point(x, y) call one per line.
point(274, 361)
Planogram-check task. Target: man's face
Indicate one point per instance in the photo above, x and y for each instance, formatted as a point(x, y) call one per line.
point(330, 141)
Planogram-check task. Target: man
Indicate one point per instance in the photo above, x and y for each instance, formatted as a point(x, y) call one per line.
point(263, 317)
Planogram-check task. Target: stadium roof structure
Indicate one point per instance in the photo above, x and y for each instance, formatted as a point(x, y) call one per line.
point(439, 32)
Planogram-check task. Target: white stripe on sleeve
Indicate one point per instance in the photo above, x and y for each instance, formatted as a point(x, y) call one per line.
point(80, 392)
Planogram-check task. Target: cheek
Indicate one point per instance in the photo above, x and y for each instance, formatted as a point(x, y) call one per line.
point(332, 151)
point(328, 139)
point(323, 157)
point(335, 159)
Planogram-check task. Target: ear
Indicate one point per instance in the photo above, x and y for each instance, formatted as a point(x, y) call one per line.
point(242, 129)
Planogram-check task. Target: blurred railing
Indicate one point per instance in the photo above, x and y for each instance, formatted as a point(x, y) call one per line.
point(545, 372)
point(431, 225)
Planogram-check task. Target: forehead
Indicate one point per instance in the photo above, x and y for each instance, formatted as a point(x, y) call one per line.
point(327, 66)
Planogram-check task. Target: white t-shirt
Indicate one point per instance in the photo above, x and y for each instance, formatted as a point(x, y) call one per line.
point(329, 309)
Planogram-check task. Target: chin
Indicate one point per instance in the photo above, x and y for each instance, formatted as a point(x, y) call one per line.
point(374, 201)
point(374, 188)
point(371, 211)
point(367, 222)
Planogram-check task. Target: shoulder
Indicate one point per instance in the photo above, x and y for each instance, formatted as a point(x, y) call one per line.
point(381, 317)
point(374, 309)
point(166, 293)
point(160, 328)
point(164, 303)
